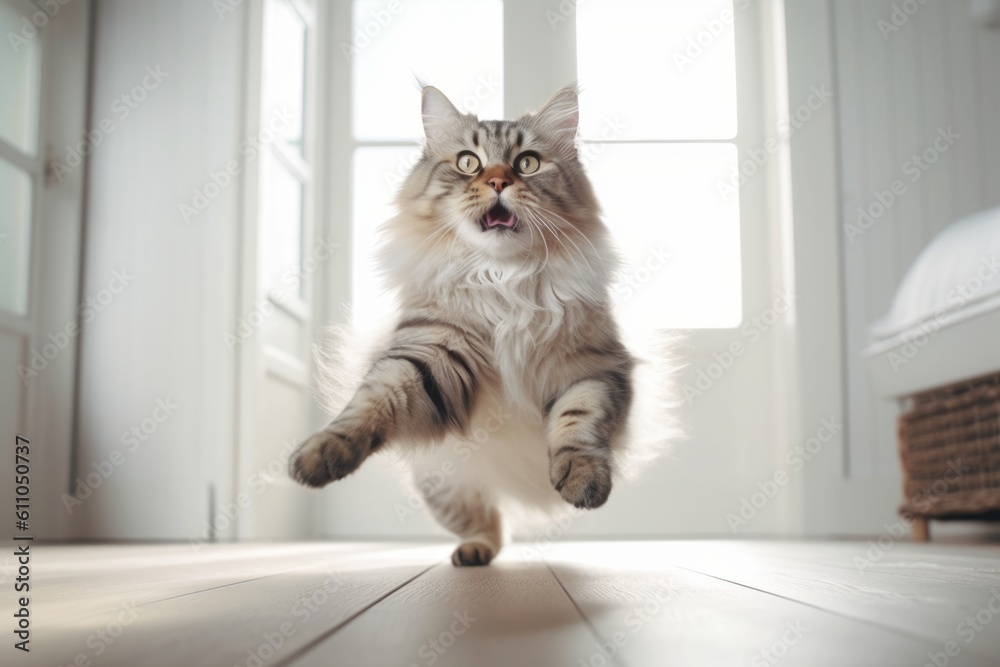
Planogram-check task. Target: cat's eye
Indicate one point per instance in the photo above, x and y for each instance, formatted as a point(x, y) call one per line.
point(467, 162)
point(527, 163)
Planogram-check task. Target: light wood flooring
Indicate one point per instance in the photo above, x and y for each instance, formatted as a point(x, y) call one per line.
point(711, 603)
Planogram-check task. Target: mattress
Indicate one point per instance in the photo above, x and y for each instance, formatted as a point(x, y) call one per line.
point(944, 323)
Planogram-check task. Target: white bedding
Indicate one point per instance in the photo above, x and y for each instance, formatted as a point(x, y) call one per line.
point(957, 276)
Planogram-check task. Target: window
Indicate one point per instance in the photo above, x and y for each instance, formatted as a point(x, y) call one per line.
point(386, 119)
point(285, 163)
point(20, 164)
point(657, 135)
point(656, 138)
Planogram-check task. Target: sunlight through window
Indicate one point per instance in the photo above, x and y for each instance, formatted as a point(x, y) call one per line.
point(658, 104)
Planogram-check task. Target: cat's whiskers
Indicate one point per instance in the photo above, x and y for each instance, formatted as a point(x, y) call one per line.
point(531, 225)
point(542, 223)
point(531, 243)
point(451, 248)
point(556, 232)
point(584, 236)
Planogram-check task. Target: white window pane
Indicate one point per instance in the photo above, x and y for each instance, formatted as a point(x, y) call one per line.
point(455, 45)
point(19, 68)
point(15, 237)
point(665, 68)
point(284, 68)
point(680, 239)
point(281, 243)
point(377, 175)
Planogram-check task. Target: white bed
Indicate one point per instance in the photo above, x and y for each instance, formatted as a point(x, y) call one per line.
point(944, 325)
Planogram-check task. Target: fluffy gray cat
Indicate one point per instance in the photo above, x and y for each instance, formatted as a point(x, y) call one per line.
point(505, 343)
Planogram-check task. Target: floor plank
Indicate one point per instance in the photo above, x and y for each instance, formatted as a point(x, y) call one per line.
point(229, 623)
point(511, 613)
point(650, 613)
point(88, 580)
point(712, 603)
point(926, 592)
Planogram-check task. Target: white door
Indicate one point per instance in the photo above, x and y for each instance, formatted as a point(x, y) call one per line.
point(42, 78)
point(283, 257)
point(673, 105)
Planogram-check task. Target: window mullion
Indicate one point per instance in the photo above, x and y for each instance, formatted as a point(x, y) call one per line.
point(539, 53)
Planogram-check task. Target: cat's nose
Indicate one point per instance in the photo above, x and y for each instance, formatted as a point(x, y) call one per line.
point(498, 183)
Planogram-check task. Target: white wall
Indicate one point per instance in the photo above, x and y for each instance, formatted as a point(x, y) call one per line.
point(897, 85)
point(162, 336)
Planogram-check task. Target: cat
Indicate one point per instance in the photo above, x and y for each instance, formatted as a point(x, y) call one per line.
point(505, 342)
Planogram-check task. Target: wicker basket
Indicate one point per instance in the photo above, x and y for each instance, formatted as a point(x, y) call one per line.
point(949, 443)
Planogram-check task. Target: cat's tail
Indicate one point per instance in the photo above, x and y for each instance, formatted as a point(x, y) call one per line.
point(343, 354)
point(654, 424)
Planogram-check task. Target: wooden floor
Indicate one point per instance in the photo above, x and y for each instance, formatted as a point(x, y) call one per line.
point(713, 603)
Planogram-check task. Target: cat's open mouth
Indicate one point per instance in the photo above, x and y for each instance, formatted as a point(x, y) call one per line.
point(499, 218)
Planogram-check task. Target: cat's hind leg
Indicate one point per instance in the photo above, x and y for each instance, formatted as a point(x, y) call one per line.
point(473, 517)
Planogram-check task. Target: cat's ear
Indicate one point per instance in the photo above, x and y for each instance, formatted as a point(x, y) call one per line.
point(438, 112)
point(559, 118)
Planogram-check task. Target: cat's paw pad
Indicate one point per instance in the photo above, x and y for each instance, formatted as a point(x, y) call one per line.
point(325, 457)
point(472, 553)
point(583, 480)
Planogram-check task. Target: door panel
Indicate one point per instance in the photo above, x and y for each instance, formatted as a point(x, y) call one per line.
point(17, 194)
point(42, 83)
point(280, 259)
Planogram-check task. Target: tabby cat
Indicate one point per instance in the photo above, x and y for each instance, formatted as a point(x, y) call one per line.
point(505, 341)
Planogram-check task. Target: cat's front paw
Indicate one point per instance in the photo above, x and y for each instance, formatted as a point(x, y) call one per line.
point(582, 479)
point(326, 457)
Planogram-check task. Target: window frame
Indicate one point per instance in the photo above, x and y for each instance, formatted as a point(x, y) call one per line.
point(757, 123)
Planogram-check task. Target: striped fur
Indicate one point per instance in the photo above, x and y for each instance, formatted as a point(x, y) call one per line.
point(505, 332)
